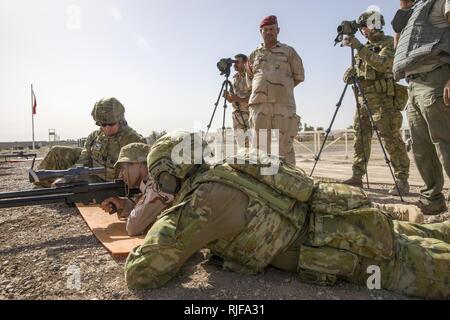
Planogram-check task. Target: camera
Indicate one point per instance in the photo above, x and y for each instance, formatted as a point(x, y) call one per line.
point(224, 66)
point(347, 28)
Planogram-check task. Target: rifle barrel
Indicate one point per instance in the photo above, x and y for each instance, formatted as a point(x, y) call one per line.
point(75, 193)
point(23, 202)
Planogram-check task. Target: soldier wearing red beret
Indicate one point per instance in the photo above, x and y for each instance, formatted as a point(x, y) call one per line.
point(274, 70)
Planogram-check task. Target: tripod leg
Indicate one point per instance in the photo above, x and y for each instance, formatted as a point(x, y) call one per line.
point(216, 104)
point(374, 126)
point(338, 106)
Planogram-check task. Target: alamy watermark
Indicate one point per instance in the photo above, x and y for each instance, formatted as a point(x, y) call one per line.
point(223, 146)
point(374, 280)
point(73, 21)
point(73, 281)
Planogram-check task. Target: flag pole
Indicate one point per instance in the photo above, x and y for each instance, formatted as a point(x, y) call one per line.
point(32, 115)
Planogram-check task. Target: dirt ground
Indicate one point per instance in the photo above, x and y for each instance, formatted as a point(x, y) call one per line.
point(42, 248)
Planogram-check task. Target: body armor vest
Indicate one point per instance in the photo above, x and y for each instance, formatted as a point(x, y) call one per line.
point(275, 220)
point(420, 40)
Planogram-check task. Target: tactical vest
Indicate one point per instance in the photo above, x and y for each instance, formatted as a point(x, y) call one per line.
point(105, 150)
point(275, 220)
point(367, 72)
point(372, 80)
point(420, 40)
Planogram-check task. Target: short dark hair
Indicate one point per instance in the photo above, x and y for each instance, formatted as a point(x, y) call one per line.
point(241, 56)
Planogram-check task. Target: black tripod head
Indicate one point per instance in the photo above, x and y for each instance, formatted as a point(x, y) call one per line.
point(224, 66)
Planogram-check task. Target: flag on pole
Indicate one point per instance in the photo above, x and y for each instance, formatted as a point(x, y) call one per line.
point(34, 102)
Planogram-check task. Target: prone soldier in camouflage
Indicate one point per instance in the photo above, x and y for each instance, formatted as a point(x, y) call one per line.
point(240, 97)
point(374, 69)
point(423, 59)
point(322, 231)
point(273, 71)
point(140, 213)
point(102, 146)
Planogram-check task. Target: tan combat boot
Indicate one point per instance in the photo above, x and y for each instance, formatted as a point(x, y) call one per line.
point(403, 186)
point(355, 181)
point(402, 212)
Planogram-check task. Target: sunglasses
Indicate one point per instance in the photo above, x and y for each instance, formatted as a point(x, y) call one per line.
point(105, 124)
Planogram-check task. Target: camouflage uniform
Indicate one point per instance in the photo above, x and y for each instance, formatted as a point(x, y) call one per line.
point(99, 149)
point(374, 69)
point(423, 58)
point(242, 90)
point(272, 103)
point(324, 232)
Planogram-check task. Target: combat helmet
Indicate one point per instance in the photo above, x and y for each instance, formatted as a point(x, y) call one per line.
point(167, 167)
point(133, 153)
point(372, 19)
point(108, 110)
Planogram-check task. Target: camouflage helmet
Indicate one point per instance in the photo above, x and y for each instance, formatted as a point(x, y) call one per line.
point(371, 19)
point(108, 110)
point(133, 153)
point(163, 165)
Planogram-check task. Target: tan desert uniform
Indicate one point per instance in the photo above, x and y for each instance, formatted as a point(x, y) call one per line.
point(272, 102)
point(242, 90)
point(142, 214)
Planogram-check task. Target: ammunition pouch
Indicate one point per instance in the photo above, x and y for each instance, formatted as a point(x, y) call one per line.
point(343, 229)
point(380, 86)
point(324, 265)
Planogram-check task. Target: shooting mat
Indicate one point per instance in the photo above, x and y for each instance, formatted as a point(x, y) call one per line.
point(109, 230)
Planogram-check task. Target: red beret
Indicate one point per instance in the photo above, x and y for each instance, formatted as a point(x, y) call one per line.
point(268, 21)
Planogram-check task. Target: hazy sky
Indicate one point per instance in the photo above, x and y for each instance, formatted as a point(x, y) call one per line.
point(158, 58)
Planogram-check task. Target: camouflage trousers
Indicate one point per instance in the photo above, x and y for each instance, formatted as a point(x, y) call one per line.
point(416, 263)
point(60, 158)
point(412, 259)
point(429, 121)
point(272, 116)
point(389, 121)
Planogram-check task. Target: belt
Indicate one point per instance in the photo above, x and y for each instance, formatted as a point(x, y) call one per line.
point(423, 75)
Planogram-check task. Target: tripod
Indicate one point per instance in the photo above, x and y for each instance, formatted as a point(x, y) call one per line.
point(226, 84)
point(359, 92)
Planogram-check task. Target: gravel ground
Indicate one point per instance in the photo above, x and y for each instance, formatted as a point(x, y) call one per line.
point(43, 248)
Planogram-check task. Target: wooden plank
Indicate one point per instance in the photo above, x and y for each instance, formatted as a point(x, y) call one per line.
point(109, 230)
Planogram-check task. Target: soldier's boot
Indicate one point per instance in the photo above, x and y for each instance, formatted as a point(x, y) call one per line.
point(402, 212)
point(355, 181)
point(403, 186)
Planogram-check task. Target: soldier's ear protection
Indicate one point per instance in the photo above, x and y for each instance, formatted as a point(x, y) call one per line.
point(168, 183)
point(164, 174)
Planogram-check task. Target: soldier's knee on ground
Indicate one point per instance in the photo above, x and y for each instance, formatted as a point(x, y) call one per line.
point(58, 158)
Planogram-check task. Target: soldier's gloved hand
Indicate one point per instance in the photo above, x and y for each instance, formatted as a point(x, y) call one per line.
point(348, 74)
point(447, 94)
point(351, 41)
